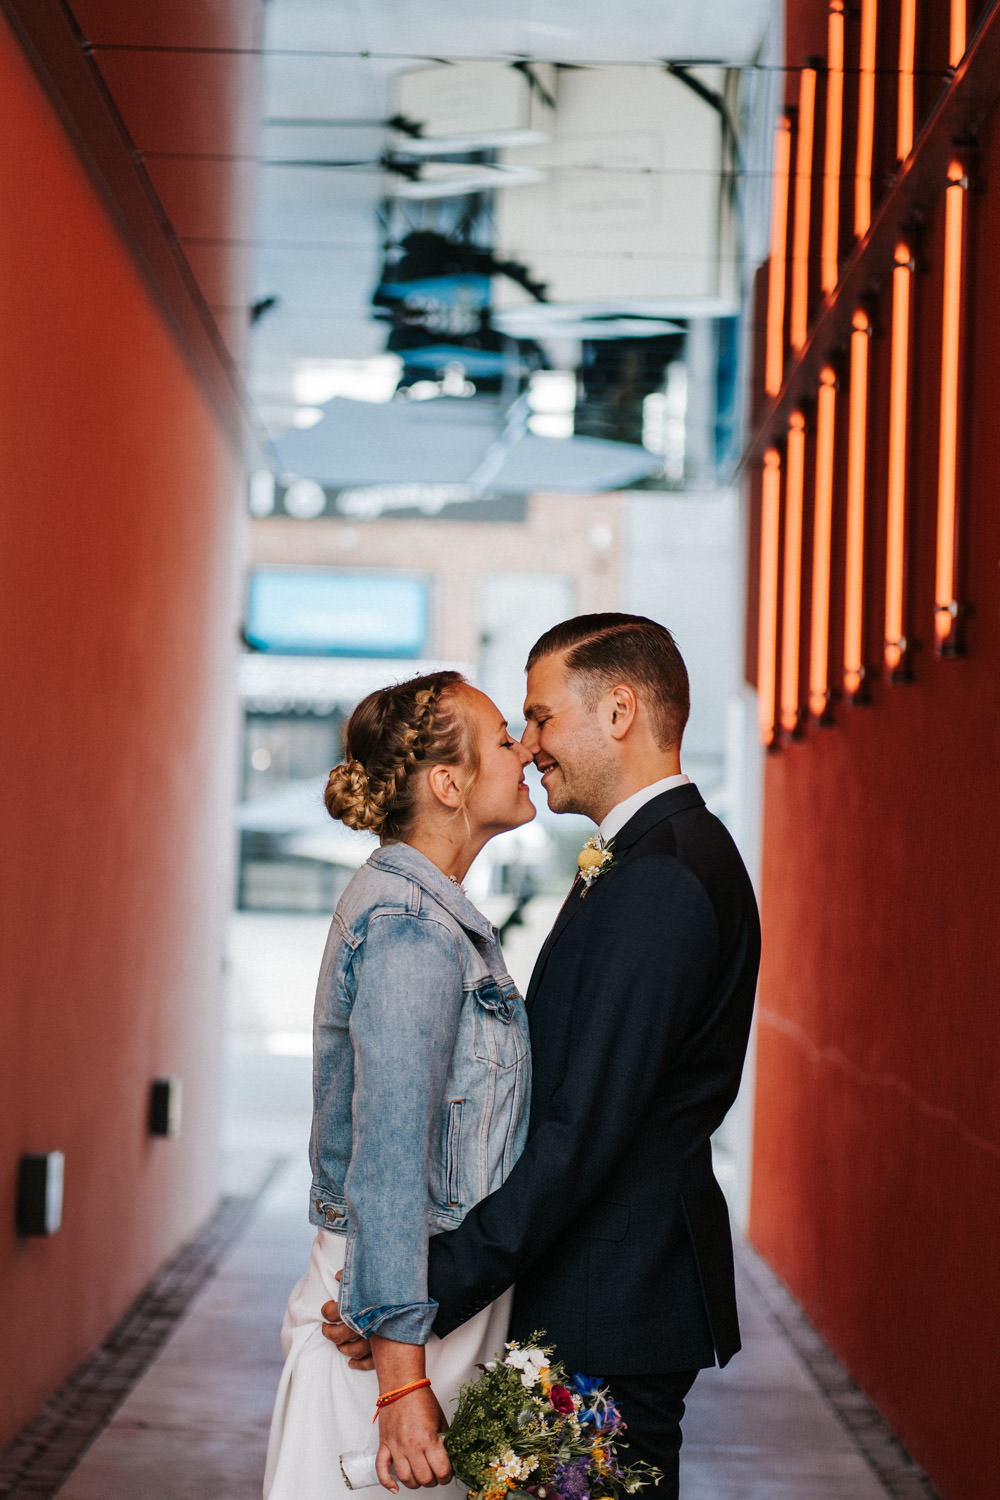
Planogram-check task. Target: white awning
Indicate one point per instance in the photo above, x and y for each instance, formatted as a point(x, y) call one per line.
point(319, 684)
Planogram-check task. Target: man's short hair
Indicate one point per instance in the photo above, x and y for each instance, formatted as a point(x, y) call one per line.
point(609, 648)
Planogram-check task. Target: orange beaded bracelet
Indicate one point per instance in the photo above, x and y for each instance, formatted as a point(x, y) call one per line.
point(389, 1397)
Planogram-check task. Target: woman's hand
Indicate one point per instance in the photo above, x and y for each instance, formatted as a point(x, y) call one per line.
point(409, 1428)
point(410, 1442)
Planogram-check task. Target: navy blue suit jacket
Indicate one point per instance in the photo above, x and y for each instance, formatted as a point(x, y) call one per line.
point(612, 1224)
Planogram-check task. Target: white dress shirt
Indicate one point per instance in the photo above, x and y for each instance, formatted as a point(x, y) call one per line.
point(619, 815)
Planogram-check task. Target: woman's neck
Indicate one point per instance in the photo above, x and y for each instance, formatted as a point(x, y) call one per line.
point(451, 855)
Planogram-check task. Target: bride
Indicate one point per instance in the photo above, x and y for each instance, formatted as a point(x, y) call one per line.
point(420, 1088)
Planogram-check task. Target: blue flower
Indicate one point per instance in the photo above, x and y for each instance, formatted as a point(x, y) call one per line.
point(599, 1410)
point(588, 1385)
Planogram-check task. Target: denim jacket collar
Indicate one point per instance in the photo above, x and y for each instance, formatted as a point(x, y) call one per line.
point(404, 860)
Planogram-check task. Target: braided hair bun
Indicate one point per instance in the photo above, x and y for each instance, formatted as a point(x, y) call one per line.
point(389, 734)
point(349, 797)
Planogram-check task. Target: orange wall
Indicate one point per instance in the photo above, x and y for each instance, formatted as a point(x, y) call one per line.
point(119, 498)
point(877, 1148)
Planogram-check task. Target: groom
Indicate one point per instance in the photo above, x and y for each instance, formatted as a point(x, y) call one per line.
point(612, 1224)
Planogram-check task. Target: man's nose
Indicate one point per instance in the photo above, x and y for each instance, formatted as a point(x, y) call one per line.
point(529, 740)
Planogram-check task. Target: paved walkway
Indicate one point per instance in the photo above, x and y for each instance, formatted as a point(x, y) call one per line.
point(195, 1425)
point(782, 1422)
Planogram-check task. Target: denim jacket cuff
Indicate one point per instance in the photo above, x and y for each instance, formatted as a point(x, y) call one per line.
point(404, 1325)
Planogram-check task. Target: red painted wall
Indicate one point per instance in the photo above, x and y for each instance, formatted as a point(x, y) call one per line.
point(119, 505)
point(877, 1150)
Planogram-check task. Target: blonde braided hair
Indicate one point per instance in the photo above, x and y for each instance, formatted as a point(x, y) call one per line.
point(389, 734)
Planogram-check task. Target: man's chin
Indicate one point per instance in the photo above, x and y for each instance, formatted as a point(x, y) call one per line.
point(558, 801)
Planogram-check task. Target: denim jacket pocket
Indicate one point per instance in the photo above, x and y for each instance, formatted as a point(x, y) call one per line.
point(453, 1154)
point(449, 1181)
point(500, 1036)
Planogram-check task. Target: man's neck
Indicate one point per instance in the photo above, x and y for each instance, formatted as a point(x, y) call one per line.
point(645, 771)
point(626, 807)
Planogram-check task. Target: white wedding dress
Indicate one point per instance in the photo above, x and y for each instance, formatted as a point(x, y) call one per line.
point(324, 1409)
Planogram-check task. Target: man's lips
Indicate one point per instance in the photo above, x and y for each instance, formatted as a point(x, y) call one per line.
point(544, 767)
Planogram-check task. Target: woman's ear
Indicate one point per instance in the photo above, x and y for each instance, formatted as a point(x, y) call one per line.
point(445, 785)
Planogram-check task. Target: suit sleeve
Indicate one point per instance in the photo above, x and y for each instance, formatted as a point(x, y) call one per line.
point(649, 949)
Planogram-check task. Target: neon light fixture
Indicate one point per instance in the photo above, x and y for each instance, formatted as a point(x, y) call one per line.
point(767, 616)
point(819, 634)
point(907, 53)
point(896, 644)
point(866, 119)
point(857, 466)
point(946, 608)
point(799, 302)
point(829, 259)
point(957, 33)
point(791, 603)
point(774, 362)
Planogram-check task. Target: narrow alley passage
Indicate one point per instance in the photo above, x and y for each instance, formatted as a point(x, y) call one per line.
point(782, 1422)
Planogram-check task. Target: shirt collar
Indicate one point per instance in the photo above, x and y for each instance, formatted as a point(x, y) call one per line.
point(619, 815)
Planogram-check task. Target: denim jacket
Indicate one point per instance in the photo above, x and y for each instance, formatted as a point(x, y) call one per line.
point(421, 1074)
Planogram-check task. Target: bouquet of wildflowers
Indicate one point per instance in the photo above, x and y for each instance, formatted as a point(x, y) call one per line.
point(526, 1427)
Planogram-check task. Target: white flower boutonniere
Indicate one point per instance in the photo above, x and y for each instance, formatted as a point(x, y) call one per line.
point(594, 859)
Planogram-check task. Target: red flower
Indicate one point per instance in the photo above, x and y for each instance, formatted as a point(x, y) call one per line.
point(561, 1399)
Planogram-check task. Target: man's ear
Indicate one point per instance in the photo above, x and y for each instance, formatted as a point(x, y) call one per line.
point(621, 706)
point(445, 785)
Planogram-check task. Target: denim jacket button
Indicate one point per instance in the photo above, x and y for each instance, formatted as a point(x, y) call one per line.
point(331, 1216)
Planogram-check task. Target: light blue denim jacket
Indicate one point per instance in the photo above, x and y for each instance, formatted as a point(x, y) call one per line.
point(421, 1075)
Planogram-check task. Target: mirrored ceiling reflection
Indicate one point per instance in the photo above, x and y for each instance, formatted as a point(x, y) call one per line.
point(496, 243)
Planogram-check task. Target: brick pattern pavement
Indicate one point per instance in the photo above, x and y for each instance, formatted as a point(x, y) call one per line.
point(46, 1451)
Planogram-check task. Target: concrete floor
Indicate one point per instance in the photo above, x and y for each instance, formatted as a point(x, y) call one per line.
point(770, 1427)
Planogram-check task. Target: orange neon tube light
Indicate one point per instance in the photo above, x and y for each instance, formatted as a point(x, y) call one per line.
point(799, 303)
point(866, 119)
point(957, 33)
point(907, 54)
point(774, 362)
point(857, 464)
point(819, 635)
point(899, 438)
point(829, 258)
point(767, 615)
point(952, 330)
point(791, 603)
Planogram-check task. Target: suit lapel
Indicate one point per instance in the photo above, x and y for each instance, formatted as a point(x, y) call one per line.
point(678, 799)
point(567, 912)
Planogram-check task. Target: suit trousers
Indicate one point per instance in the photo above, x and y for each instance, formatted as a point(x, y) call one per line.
point(652, 1407)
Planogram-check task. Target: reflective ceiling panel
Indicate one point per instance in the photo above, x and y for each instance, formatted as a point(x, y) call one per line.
point(340, 184)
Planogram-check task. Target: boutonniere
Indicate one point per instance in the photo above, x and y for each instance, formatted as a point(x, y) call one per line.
point(594, 860)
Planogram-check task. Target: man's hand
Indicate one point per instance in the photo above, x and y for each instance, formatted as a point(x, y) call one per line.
point(356, 1349)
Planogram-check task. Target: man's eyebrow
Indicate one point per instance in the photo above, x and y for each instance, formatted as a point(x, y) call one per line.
point(532, 710)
